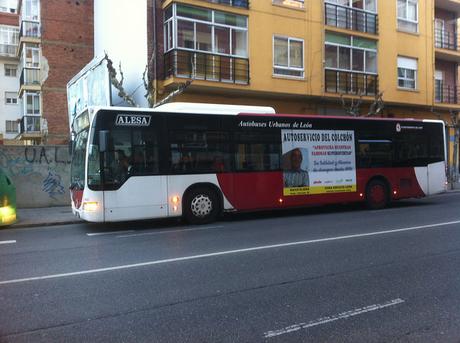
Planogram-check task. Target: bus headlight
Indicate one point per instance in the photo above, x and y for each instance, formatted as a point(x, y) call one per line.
point(175, 201)
point(90, 206)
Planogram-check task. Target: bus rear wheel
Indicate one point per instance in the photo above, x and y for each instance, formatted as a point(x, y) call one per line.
point(201, 206)
point(377, 195)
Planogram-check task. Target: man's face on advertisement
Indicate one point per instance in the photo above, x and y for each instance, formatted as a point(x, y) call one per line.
point(296, 159)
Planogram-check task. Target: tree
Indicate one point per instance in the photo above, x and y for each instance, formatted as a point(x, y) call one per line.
point(354, 109)
point(147, 82)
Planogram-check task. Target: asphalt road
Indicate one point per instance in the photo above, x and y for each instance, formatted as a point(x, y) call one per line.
point(331, 274)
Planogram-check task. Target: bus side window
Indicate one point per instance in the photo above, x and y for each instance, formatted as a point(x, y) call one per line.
point(256, 151)
point(197, 151)
point(375, 153)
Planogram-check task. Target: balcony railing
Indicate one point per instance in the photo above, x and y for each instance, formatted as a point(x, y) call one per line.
point(344, 82)
point(8, 50)
point(234, 3)
point(30, 29)
point(446, 39)
point(351, 18)
point(446, 94)
point(203, 66)
point(30, 124)
point(30, 77)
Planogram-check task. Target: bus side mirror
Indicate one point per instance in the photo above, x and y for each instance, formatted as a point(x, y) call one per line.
point(103, 140)
point(71, 142)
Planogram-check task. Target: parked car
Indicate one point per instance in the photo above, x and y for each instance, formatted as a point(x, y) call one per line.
point(7, 200)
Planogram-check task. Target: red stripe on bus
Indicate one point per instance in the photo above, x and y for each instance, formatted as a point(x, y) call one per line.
point(263, 190)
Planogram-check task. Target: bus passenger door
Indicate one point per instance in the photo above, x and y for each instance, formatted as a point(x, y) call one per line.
point(140, 197)
point(134, 186)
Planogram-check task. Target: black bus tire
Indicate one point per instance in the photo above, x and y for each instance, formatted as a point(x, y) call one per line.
point(201, 206)
point(377, 195)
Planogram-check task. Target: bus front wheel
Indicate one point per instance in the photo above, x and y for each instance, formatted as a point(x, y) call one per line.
point(201, 206)
point(377, 195)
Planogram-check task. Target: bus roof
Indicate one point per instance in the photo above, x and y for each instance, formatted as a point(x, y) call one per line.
point(185, 107)
point(315, 116)
point(198, 108)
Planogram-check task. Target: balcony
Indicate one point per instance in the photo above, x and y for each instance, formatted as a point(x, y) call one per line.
point(445, 94)
point(203, 66)
point(30, 124)
point(446, 40)
point(30, 77)
point(234, 3)
point(8, 50)
point(351, 18)
point(343, 82)
point(30, 29)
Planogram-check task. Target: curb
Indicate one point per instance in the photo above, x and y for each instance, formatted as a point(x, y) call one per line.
point(20, 225)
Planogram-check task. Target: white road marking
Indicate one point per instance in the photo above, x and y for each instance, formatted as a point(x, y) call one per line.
point(227, 252)
point(8, 242)
point(107, 233)
point(169, 231)
point(325, 320)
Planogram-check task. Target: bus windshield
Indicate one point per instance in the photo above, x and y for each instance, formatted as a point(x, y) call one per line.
point(131, 151)
point(77, 173)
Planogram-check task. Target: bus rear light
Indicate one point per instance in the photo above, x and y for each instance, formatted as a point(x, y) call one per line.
point(361, 195)
point(280, 200)
point(175, 200)
point(90, 206)
point(174, 208)
point(395, 192)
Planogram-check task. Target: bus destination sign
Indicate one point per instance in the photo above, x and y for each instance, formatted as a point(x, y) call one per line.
point(132, 120)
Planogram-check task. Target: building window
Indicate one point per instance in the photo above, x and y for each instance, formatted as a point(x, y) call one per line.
point(11, 98)
point(8, 6)
point(32, 57)
point(11, 126)
point(9, 38)
point(408, 15)
point(32, 103)
point(200, 29)
point(367, 5)
point(32, 124)
point(31, 10)
point(407, 73)
point(290, 3)
point(349, 53)
point(438, 85)
point(288, 56)
point(11, 70)
point(352, 15)
point(350, 65)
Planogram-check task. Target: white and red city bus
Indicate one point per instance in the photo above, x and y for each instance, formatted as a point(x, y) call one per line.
point(199, 160)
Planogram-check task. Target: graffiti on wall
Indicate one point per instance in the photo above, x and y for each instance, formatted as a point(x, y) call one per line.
point(52, 185)
point(41, 174)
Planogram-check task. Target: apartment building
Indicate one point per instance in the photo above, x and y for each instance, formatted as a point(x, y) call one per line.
point(55, 42)
point(9, 79)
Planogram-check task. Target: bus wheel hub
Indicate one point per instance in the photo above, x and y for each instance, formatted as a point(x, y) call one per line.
point(201, 206)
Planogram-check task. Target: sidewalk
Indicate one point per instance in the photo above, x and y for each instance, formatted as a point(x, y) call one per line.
point(29, 217)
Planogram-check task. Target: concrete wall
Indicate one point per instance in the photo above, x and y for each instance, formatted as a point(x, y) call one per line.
point(41, 174)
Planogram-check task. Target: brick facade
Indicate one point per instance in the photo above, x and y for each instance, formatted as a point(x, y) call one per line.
point(67, 46)
point(9, 19)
